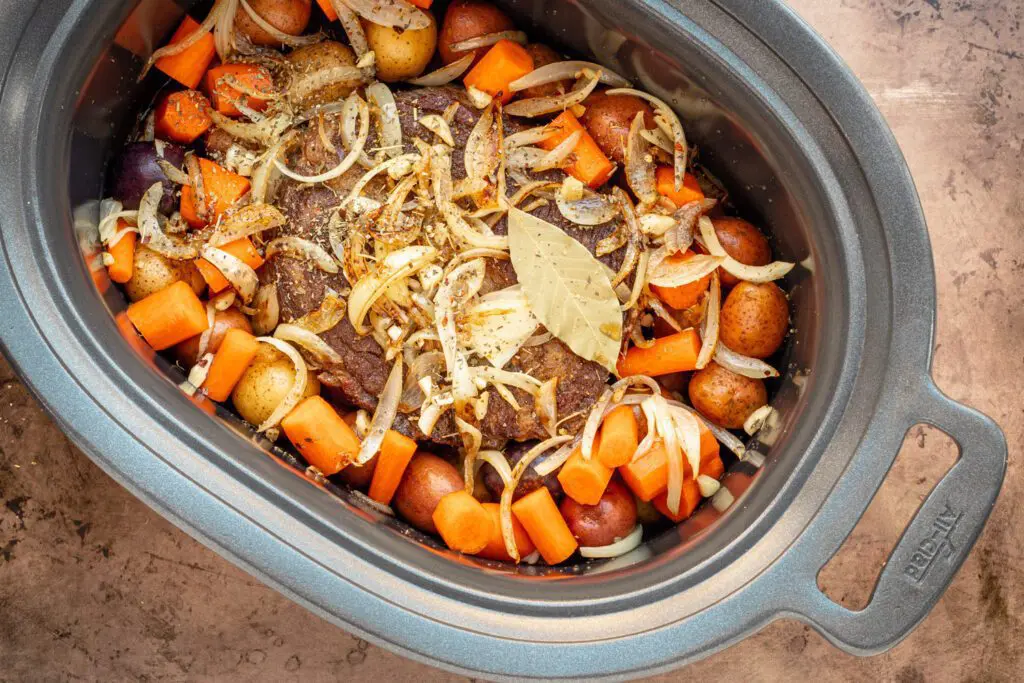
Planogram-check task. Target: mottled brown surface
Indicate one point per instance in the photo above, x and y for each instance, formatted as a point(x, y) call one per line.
point(95, 586)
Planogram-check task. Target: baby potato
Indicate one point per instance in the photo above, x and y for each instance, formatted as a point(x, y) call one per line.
point(287, 16)
point(743, 242)
point(187, 352)
point(401, 55)
point(153, 272)
point(612, 518)
point(426, 481)
point(320, 57)
point(754, 319)
point(265, 384)
point(608, 118)
point(542, 56)
point(467, 19)
point(725, 398)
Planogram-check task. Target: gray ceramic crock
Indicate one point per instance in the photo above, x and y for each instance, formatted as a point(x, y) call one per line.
point(777, 116)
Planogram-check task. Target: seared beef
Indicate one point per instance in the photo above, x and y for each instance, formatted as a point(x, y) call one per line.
point(360, 378)
point(531, 481)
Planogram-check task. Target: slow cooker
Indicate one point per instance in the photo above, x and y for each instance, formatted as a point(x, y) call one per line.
point(776, 116)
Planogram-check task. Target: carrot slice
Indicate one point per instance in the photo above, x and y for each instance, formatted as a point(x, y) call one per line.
point(683, 296)
point(321, 435)
point(648, 475)
point(188, 67)
point(222, 190)
point(328, 9)
point(675, 353)
point(463, 522)
point(169, 316)
point(495, 548)
point(545, 525)
point(584, 480)
point(123, 253)
point(665, 179)
point(250, 77)
point(229, 363)
point(505, 62)
point(182, 116)
point(589, 164)
point(241, 249)
point(395, 453)
point(620, 435)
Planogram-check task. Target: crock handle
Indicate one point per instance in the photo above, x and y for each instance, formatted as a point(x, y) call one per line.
point(936, 542)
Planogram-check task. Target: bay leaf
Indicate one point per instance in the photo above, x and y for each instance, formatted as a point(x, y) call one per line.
point(567, 288)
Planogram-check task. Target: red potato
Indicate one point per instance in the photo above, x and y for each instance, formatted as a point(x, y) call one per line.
point(543, 55)
point(401, 55)
point(725, 398)
point(467, 19)
point(754, 319)
point(743, 242)
point(287, 16)
point(426, 481)
point(608, 117)
point(187, 352)
point(612, 518)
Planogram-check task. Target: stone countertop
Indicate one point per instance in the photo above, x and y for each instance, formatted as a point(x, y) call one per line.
point(94, 585)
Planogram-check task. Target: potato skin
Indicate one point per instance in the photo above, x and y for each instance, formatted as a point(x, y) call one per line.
point(187, 352)
point(401, 55)
point(754, 319)
point(743, 242)
point(153, 272)
point(725, 398)
point(608, 118)
point(467, 19)
point(287, 16)
point(542, 56)
point(319, 57)
point(265, 384)
point(426, 481)
point(613, 517)
point(359, 476)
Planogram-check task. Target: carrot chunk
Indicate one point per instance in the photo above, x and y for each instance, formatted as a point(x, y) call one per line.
point(505, 62)
point(620, 435)
point(123, 253)
point(495, 548)
point(648, 475)
point(252, 79)
point(545, 525)
point(188, 67)
point(463, 522)
point(588, 163)
point(395, 453)
point(683, 296)
point(182, 116)
point(665, 179)
point(688, 502)
point(675, 353)
point(321, 435)
point(241, 249)
point(222, 190)
point(169, 316)
point(584, 480)
point(229, 363)
point(328, 9)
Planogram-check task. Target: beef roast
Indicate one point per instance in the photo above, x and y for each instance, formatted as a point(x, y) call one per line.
point(359, 379)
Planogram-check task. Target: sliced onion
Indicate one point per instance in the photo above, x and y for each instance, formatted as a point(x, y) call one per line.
point(294, 395)
point(197, 375)
point(191, 39)
point(677, 273)
point(236, 271)
point(204, 338)
point(360, 185)
point(639, 280)
point(632, 232)
point(326, 316)
point(688, 428)
point(568, 70)
point(246, 221)
point(658, 138)
point(757, 419)
point(353, 28)
point(316, 346)
point(679, 145)
point(301, 248)
point(556, 157)
point(345, 164)
point(557, 459)
point(743, 365)
point(673, 452)
point(757, 274)
point(441, 176)
point(151, 233)
point(539, 106)
point(592, 209)
point(724, 436)
point(397, 265)
point(620, 547)
point(224, 31)
point(505, 510)
point(278, 35)
point(268, 310)
point(263, 132)
point(530, 136)
point(478, 98)
point(498, 461)
point(343, 75)
point(224, 300)
point(457, 286)
point(264, 175)
point(659, 309)
point(471, 440)
point(395, 13)
point(519, 380)
point(389, 132)
point(611, 397)
point(710, 326)
point(483, 146)
point(546, 405)
point(708, 485)
point(444, 75)
point(384, 415)
point(640, 163)
point(426, 366)
point(488, 39)
point(439, 127)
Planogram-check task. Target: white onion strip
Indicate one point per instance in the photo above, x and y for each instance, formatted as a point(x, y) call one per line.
point(389, 130)
point(709, 330)
point(561, 71)
point(539, 106)
point(294, 395)
point(246, 221)
point(507, 530)
point(439, 127)
point(743, 365)
point(679, 145)
point(396, 13)
point(236, 271)
point(676, 273)
point(724, 436)
point(345, 164)
point(312, 343)
point(444, 75)
point(556, 459)
point(613, 395)
point(268, 309)
point(757, 274)
point(498, 461)
point(488, 39)
point(639, 163)
point(620, 547)
point(557, 156)
point(384, 415)
point(301, 248)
